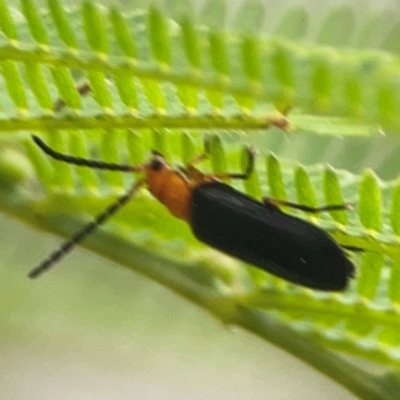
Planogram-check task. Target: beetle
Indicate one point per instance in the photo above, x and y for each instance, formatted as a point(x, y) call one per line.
point(256, 232)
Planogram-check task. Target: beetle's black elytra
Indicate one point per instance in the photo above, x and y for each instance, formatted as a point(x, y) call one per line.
point(262, 235)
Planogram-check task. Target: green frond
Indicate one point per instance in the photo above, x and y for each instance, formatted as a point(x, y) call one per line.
point(112, 84)
point(242, 73)
point(370, 202)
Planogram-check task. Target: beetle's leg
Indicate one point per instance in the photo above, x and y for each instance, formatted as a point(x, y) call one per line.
point(83, 162)
point(251, 154)
point(353, 248)
point(189, 171)
point(198, 176)
point(197, 159)
point(79, 236)
point(334, 207)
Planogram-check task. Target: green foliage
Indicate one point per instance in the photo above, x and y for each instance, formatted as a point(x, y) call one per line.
point(161, 81)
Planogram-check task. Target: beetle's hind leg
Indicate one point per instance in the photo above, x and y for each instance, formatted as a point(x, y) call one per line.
point(353, 248)
point(314, 210)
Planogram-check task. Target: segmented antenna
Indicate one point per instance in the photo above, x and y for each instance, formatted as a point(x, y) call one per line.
point(83, 162)
point(67, 246)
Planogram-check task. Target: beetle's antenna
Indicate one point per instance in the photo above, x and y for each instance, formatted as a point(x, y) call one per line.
point(67, 246)
point(82, 162)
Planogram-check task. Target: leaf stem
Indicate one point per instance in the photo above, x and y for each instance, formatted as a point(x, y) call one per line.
point(132, 122)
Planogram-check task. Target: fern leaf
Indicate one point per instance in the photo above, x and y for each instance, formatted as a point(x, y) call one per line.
point(295, 68)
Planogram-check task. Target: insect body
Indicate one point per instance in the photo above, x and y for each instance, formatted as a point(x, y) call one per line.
point(260, 234)
point(256, 232)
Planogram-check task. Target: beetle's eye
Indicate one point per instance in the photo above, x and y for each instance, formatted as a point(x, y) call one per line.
point(156, 164)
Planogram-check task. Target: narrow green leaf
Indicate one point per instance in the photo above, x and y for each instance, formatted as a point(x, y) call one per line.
point(391, 41)
point(321, 81)
point(282, 66)
point(189, 98)
point(190, 42)
point(251, 58)
point(358, 328)
point(160, 143)
point(389, 338)
point(304, 189)
point(37, 82)
point(343, 16)
point(78, 147)
point(135, 147)
point(275, 180)
point(98, 86)
point(176, 9)
point(216, 99)
point(353, 96)
point(333, 194)
point(35, 23)
point(109, 153)
point(9, 108)
point(218, 53)
point(14, 84)
point(154, 95)
point(188, 152)
point(66, 87)
point(246, 103)
point(15, 169)
point(6, 22)
point(159, 37)
point(62, 173)
point(95, 28)
point(294, 23)
point(371, 34)
point(122, 33)
point(387, 103)
point(394, 286)
point(62, 24)
point(217, 155)
point(250, 17)
point(395, 210)
point(127, 91)
point(369, 205)
point(214, 13)
point(40, 162)
point(369, 274)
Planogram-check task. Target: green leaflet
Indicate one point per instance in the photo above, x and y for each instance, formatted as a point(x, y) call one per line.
point(237, 69)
